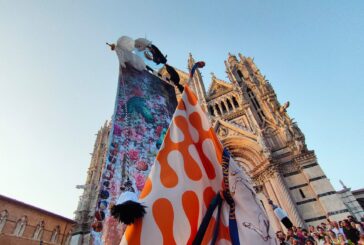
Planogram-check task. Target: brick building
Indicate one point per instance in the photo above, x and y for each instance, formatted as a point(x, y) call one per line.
point(23, 224)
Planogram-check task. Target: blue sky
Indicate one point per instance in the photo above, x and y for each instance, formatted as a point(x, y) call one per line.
point(58, 79)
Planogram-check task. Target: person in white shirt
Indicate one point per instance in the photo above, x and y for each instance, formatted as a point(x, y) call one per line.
point(281, 215)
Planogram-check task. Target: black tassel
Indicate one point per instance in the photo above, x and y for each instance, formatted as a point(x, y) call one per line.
point(127, 212)
point(158, 57)
point(174, 77)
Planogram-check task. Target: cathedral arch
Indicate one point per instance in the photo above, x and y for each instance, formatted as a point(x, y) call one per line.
point(246, 150)
point(272, 138)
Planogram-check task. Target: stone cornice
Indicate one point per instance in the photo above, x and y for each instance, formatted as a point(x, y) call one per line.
point(305, 157)
point(209, 98)
point(238, 131)
point(263, 173)
point(233, 115)
point(289, 167)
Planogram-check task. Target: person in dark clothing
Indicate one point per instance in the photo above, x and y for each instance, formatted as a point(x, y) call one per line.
point(351, 233)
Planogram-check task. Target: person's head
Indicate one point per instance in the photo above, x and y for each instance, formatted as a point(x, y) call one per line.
point(294, 228)
point(341, 237)
point(289, 232)
point(311, 228)
point(323, 225)
point(320, 230)
point(335, 224)
point(280, 235)
point(309, 242)
point(346, 223)
point(304, 232)
point(270, 202)
point(294, 241)
point(351, 218)
point(332, 234)
point(340, 223)
point(353, 224)
point(361, 237)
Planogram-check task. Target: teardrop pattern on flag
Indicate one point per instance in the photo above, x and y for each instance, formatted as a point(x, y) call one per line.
point(184, 180)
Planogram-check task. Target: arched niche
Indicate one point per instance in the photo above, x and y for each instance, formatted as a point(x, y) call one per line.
point(246, 151)
point(272, 138)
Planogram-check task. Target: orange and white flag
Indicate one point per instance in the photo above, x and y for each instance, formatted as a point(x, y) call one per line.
point(186, 177)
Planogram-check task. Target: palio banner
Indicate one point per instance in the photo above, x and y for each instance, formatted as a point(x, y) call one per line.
point(183, 193)
point(144, 107)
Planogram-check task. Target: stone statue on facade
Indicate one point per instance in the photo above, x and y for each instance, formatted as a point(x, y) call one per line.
point(261, 141)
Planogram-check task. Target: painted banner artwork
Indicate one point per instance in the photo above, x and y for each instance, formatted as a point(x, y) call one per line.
point(143, 110)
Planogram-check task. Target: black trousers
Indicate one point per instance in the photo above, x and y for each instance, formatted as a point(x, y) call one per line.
point(287, 223)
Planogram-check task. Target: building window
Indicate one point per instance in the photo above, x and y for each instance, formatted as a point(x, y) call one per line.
point(68, 238)
point(217, 110)
point(230, 107)
point(223, 107)
point(38, 233)
point(255, 104)
point(235, 102)
point(302, 194)
point(20, 226)
point(55, 234)
point(3, 218)
point(240, 74)
point(211, 110)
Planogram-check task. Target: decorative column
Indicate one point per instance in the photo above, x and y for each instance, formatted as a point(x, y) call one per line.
point(286, 200)
point(218, 112)
point(262, 180)
point(225, 104)
point(272, 217)
point(219, 105)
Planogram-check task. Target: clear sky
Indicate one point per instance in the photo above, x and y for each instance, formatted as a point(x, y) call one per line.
point(58, 79)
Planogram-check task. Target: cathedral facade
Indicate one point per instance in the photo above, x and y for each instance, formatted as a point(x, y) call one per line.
point(261, 137)
point(268, 144)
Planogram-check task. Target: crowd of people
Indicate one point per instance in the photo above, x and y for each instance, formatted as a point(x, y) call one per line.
point(345, 232)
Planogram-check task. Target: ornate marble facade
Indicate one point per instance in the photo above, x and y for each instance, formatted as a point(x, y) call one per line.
point(267, 143)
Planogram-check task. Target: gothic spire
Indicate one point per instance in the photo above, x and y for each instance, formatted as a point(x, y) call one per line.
point(191, 61)
point(213, 77)
point(242, 57)
point(232, 60)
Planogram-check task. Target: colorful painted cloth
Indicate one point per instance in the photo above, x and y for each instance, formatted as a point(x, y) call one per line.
point(143, 110)
point(186, 178)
